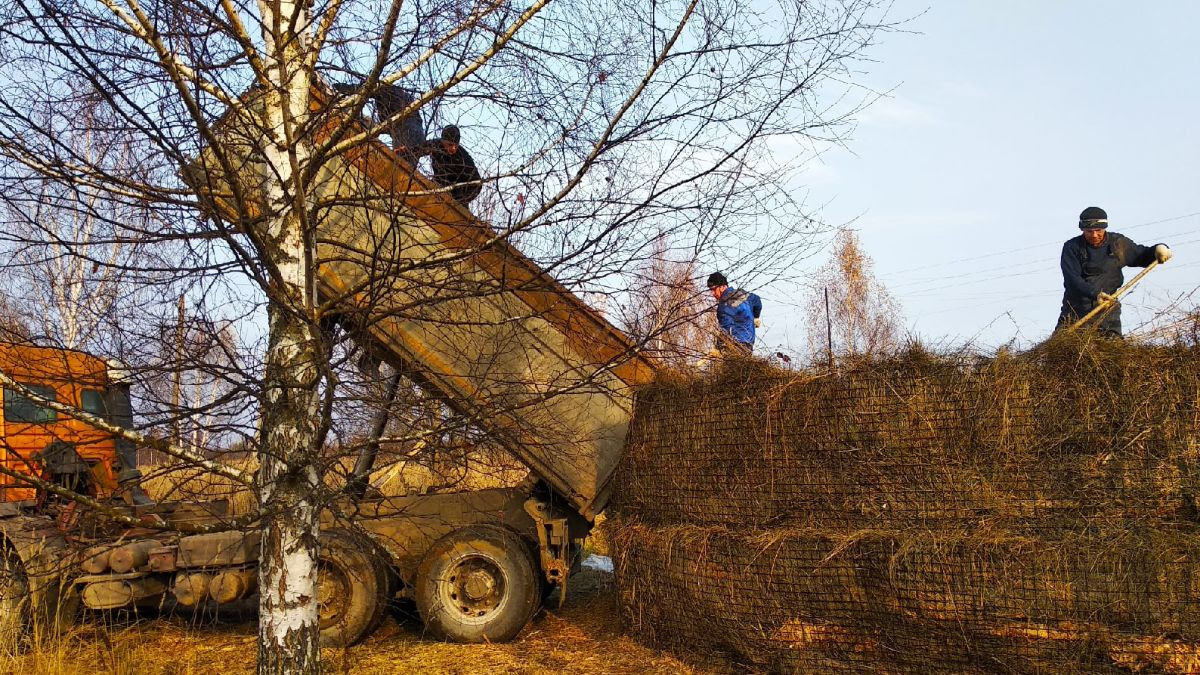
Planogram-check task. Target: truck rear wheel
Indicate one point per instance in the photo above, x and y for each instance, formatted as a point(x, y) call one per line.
point(14, 602)
point(478, 584)
point(350, 590)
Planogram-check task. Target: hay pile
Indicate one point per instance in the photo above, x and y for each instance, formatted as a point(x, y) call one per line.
point(922, 513)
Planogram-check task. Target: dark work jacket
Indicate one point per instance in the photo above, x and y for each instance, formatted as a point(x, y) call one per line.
point(1090, 270)
point(454, 169)
point(408, 131)
point(736, 312)
point(390, 99)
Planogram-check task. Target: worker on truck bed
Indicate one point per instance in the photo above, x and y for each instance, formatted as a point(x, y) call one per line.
point(1091, 267)
point(738, 313)
point(408, 132)
point(453, 166)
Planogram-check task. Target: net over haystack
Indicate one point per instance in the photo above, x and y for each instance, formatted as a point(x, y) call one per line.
point(1031, 513)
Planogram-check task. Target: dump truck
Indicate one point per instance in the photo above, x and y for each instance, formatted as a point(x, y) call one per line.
point(503, 343)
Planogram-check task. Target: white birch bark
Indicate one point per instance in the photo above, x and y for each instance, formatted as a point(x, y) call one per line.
point(288, 620)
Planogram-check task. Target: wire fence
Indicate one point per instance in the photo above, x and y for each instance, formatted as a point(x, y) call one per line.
point(922, 513)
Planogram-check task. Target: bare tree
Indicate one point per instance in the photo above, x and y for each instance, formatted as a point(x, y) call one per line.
point(13, 327)
point(599, 128)
point(67, 264)
point(850, 312)
point(666, 310)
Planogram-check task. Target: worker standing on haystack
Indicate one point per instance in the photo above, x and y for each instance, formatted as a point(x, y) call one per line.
point(453, 166)
point(738, 313)
point(407, 132)
point(1091, 267)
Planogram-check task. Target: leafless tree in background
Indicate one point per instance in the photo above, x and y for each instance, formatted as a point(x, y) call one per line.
point(599, 128)
point(12, 323)
point(68, 248)
point(849, 307)
point(667, 310)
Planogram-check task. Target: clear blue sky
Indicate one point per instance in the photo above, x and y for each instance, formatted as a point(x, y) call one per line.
point(1006, 119)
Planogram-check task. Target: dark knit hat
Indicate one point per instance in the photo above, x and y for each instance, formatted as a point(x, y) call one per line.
point(450, 134)
point(1093, 217)
point(717, 279)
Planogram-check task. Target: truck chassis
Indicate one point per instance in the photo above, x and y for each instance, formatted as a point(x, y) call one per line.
point(477, 564)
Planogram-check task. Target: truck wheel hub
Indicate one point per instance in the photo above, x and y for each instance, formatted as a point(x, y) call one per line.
point(475, 586)
point(479, 585)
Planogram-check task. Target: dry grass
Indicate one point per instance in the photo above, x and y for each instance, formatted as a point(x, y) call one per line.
point(584, 637)
point(599, 540)
point(187, 483)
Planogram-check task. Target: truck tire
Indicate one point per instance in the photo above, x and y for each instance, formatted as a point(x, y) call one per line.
point(15, 615)
point(351, 584)
point(478, 584)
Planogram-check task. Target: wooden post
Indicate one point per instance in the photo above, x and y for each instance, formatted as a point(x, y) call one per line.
point(177, 385)
point(828, 328)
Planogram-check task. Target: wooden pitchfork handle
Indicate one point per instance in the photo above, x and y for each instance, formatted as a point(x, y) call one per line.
point(1116, 295)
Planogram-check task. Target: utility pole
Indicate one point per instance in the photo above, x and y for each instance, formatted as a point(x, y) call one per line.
point(177, 385)
point(828, 329)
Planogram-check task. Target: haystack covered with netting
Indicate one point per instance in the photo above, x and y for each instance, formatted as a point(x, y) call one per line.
point(1027, 513)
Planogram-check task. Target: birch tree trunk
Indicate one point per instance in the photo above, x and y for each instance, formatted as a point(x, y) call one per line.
point(288, 480)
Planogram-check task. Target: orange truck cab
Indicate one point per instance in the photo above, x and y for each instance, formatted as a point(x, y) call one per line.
point(28, 428)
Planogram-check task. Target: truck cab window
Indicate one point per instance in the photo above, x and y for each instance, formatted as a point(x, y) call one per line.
point(20, 408)
point(92, 401)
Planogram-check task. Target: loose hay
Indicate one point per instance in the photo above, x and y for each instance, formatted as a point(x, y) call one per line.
point(584, 637)
point(921, 513)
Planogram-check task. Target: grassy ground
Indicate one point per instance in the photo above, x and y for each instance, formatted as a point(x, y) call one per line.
point(583, 637)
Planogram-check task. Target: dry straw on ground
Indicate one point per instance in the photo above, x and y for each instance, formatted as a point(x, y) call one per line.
point(922, 513)
point(583, 637)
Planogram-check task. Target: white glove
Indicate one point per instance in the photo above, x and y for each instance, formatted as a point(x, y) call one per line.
point(1162, 254)
point(758, 323)
point(1103, 298)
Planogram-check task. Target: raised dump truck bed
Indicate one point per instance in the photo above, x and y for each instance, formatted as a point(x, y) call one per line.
point(460, 309)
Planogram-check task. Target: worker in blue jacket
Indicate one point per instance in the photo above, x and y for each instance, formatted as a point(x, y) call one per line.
point(738, 313)
point(1091, 267)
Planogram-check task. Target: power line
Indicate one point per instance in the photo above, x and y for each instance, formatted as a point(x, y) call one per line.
point(1029, 248)
point(926, 291)
point(998, 268)
point(975, 305)
point(1038, 263)
point(926, 280)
